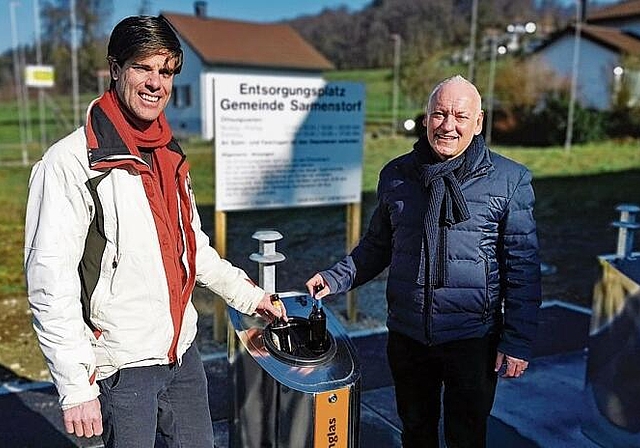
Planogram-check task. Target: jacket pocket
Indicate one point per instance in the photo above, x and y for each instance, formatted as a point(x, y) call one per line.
point(492, 288)
point(101, 290)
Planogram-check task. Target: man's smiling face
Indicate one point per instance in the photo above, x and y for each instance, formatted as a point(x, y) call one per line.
point(453, 118)
point(144, 86)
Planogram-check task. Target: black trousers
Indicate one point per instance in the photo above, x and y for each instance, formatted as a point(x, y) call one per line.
point(464, 368)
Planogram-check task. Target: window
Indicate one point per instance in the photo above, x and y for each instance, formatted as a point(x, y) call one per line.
point(182, 96)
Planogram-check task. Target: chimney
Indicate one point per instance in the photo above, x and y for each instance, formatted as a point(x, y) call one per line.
point(200, 8)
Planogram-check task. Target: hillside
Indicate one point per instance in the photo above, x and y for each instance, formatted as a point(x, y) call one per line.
point(363, 39)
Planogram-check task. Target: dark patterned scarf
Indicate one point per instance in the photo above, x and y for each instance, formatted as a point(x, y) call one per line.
point(446, 206)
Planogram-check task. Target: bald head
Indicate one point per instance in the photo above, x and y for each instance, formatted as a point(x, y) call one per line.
point(453, 116)
point(473, 91)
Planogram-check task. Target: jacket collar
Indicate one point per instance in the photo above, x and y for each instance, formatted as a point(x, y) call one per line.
point(480, 165)
point(109, 145)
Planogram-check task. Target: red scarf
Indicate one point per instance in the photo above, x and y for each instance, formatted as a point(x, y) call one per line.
point(166, 165)
point(157, 135)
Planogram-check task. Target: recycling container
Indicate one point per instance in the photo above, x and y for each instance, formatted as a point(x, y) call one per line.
point(299, 398)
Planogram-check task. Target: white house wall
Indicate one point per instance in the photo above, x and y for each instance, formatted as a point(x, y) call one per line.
point(595, 69)
point(186, 120)
point(207, 79)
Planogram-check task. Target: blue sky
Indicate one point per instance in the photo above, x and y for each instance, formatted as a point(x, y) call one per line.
point(251, 10)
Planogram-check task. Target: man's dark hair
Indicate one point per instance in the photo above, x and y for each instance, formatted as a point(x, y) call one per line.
point(143, 36)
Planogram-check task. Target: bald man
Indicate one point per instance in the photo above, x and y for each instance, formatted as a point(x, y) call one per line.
point(454, 225)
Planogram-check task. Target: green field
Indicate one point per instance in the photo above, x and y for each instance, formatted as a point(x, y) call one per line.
point(39, 129)
point(379, 92)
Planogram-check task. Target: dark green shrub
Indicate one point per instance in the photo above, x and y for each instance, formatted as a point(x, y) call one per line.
point(622, 123)
point(546, 125)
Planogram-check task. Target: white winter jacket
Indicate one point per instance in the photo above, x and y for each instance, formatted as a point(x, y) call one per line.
point(96, 264)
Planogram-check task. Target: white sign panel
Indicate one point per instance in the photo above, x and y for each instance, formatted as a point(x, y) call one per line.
point(287, 142)
point(39, 76)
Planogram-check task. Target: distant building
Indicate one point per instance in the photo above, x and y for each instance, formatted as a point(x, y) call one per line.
point(216, 46)
point(607, 36)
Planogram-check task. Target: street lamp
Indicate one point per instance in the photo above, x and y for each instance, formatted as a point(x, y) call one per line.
point(74, 64)
point(472, 40)
point(41, 108)
point(17, 80)
point(515, 31)
point(495, 50)
point(618, 71)
point(397, 40)
point(574, 76)
point(409, 125)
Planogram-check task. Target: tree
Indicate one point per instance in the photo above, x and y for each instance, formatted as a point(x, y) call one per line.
point(432, 32)
point(91, 19)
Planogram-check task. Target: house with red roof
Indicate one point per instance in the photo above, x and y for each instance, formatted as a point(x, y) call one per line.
point(218, 46)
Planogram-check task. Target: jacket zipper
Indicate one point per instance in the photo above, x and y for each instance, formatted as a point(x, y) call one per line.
point(173, 351)
point(429, 298)
point(172, 355)
point(429, 311)
point(479, 173)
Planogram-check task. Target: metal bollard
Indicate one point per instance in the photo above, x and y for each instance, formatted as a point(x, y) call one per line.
point(267, 257)
point(626, 228)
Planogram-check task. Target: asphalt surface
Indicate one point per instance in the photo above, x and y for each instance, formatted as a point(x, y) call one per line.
point(545, 408)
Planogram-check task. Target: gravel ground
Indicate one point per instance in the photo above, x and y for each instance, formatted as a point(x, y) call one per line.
point(304, 254)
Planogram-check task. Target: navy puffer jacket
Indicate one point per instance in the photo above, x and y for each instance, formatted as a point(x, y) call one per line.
point(492, 262)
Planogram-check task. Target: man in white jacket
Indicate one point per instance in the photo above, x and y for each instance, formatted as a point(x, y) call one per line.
point(113, 250)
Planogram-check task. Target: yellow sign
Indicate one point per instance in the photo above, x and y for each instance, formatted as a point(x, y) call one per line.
point(332, 419)
point(39, 76)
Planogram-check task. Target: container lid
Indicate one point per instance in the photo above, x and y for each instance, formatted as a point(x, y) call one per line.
point(337, 369)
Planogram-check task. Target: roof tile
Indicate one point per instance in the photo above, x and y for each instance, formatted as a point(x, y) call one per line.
point(622, 10)
point(235, 43)
point(613, 38)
